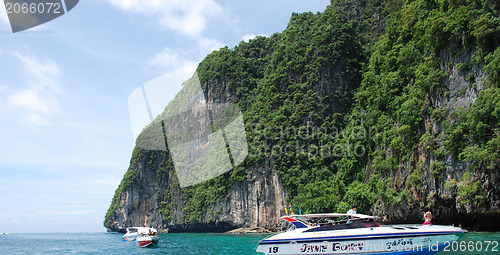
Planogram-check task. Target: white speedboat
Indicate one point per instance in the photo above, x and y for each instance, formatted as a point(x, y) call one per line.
point(144, 236)
point(335, 233)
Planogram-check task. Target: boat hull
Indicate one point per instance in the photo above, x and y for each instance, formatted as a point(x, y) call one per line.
point(132, 237)
point(418, 242)
point(148, 241)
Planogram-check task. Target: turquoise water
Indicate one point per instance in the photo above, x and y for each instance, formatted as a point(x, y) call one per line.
point(208, 243)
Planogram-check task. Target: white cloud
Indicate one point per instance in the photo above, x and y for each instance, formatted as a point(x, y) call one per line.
point(188, 17)
point(42, 73)
point(248, 37)
point(31, 100)
point(169, 59)
point(40, 98)
point(208, 45)
point(173, 59)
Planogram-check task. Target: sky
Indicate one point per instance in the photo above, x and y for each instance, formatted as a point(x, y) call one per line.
point(65, 132)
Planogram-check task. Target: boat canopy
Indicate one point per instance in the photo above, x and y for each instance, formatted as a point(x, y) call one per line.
point(330, 215)
point(141, 230)
point(309, 220)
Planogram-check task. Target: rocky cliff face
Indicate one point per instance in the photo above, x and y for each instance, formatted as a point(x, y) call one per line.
point(256, 202)
point(319, 76)
point(462, 86)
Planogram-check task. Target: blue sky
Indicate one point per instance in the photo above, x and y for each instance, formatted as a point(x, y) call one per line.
point(65, 132)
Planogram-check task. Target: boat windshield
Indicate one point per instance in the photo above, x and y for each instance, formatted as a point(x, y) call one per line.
point(351, 225)
point(336, 223)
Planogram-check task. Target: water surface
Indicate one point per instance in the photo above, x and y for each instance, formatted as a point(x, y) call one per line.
point(206, 243)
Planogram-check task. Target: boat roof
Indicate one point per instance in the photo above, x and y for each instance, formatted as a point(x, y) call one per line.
point(303, 220)
point(140, 229)
point(331, 215)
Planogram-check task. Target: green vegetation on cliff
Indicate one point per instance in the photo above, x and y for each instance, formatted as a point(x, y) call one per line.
point(403, 84)
point(128, 179)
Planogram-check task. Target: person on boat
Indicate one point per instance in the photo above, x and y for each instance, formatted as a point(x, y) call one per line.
point(428, 218)
point(352, 211)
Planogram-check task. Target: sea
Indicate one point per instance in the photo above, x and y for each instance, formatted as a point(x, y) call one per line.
point(206, 243)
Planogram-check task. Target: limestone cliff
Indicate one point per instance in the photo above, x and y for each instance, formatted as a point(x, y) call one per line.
point(463, 88)
point(381, 104)
point(255, 202)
